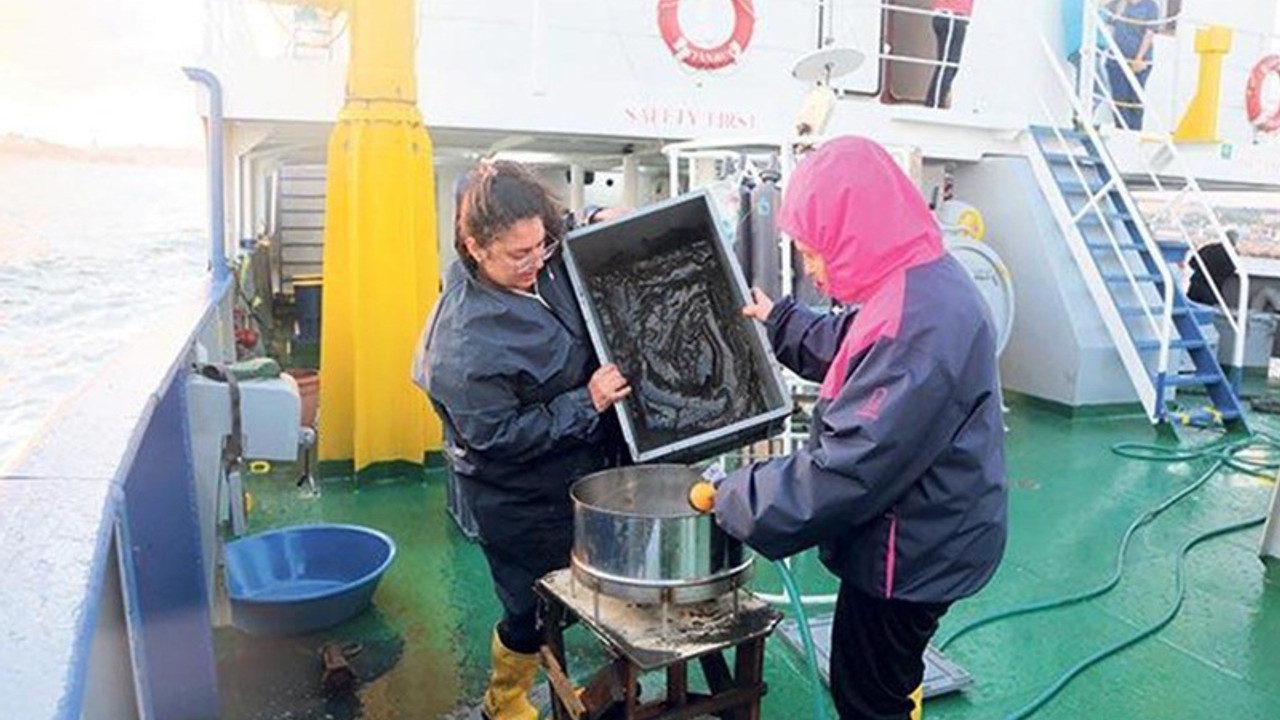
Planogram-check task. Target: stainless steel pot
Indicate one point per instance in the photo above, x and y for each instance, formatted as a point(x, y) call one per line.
point(636, 537)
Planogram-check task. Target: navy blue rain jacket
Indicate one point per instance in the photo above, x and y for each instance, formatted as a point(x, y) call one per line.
point(902, 484)
point(508, 375)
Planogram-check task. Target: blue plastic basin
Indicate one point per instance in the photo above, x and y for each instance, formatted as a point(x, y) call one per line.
point(305, 578)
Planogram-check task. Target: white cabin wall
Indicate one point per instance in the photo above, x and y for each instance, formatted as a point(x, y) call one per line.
point(582, 66)
point(1003, 69)
point(602, 68)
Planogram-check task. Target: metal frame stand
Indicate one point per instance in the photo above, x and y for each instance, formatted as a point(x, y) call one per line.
point(613, 691)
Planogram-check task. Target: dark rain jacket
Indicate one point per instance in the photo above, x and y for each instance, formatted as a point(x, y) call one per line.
point(902, 484)
point(508, 376)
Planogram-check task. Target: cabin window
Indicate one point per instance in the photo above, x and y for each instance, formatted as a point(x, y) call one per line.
point(911, 53)
point(909, 48)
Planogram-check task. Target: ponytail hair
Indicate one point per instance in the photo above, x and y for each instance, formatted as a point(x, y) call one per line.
point(497, 194)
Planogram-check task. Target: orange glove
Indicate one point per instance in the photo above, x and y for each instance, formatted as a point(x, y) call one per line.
point(702, 496)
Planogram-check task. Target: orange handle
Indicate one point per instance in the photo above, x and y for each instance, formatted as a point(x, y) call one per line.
point(702, 496)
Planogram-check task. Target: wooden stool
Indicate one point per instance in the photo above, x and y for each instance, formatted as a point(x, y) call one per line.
point(648, 638)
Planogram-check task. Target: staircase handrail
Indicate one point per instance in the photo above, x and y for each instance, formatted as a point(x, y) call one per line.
point(1238, 320)
point(1162, 329)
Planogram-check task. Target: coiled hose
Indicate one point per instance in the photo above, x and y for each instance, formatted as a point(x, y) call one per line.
point(1258, 454)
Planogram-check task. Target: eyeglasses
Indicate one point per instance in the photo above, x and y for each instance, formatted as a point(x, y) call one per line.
point(535, 258)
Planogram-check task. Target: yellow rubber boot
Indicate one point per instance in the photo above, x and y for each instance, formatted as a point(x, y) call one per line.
point(508, 695)
point(917, 698)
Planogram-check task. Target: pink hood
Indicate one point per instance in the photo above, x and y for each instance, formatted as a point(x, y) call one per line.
point(851, 203)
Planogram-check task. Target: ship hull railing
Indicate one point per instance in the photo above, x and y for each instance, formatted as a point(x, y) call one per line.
point(105, 606)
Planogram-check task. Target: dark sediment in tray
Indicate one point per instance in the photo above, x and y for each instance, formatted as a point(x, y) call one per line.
point(676, 332)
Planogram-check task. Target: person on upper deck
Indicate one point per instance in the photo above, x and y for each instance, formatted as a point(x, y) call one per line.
point(1133, 24)
point(950, 24)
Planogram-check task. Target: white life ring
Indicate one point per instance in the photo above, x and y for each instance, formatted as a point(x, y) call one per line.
point(701, 57)
point(1264, 121)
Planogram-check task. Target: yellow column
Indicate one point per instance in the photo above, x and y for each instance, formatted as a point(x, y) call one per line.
point(1200, 123)
point(381, 270)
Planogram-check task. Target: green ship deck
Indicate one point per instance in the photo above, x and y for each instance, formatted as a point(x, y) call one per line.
point(424, 646)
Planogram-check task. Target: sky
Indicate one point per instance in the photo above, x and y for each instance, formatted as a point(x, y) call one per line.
point(100, 72)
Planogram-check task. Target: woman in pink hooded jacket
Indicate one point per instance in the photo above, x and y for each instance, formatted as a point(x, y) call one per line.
point(902, 483)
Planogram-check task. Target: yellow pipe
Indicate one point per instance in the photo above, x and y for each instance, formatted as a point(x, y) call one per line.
point(381, 265)
point(382, 66)
point(1200, 123)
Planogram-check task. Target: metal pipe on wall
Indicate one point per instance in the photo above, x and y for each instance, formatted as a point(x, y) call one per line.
point(766, 246)
point(577, 187)
point(217, 224)
point(630, 181)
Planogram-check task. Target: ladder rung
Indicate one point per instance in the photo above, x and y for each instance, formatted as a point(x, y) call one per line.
point(1066, 159)
point(1200, 314)
point(1140, 277)
point(1133, 311)
point(1111, 215)
point(1135, 247)
point(1048, 132)
point(1150, 345)
point(1070, 185)
point(1192, 380)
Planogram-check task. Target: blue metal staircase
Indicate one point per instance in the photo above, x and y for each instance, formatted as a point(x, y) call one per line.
point(1128, 270)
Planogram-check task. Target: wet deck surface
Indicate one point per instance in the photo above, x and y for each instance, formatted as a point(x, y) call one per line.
point(424, 648)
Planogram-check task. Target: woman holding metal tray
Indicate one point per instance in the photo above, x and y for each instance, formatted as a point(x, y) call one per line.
point(508, 365)
point(902, 484)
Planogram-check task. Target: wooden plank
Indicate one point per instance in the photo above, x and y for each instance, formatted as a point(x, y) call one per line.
point(302, 203)
point(716, 670)
point(562, 686)
point(678, 684)
point(289, 236)
point(749, 659)
point(302, 255)
point(630, 684)
point(604, 689)
point(553, 639)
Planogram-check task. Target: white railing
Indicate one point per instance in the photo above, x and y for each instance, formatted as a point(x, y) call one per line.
point(265, 30)
point(1189, 191)
point(1161, 327)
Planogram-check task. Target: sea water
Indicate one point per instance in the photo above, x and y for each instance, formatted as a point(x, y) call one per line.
point(89, 254)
